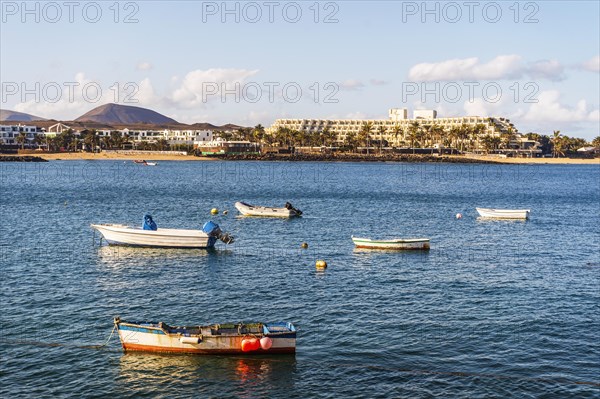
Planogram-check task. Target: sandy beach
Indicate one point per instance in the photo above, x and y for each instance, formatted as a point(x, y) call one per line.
point(537, 161)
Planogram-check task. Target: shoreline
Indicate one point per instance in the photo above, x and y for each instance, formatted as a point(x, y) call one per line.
point(407, 158)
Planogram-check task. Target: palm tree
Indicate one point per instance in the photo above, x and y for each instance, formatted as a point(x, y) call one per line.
point(351, 141)
point(414, 133)
point(40, 139)
point(365, 134)
point(454, 135)
point(21, 139)
point(477, 131)
point(106, 140)
point(397, 130)
point(556, 141)
point(116, 139)
point(162, 144)
point(464, 131)
point(74, 144)
point(258, 133)
point(435, 133)
point(381, 130)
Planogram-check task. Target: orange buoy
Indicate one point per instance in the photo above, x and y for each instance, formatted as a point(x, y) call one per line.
point(266, 343)
point(250, 344)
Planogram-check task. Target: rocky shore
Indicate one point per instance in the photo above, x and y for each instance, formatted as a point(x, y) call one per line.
point(350, 158)
point(21, 158)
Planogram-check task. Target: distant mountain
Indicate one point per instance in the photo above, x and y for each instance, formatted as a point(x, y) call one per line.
point(231, 126)
point(10, 116)
point(124, 115)
point(210, 126)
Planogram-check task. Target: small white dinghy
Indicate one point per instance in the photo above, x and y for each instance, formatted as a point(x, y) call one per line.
point(392, 244)
point(151, 236)
point(288, 211)
point(503, 213)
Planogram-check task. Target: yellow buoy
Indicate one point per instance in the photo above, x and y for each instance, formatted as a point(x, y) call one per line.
point(304, 245)
point(214, 211)
point(321, 264)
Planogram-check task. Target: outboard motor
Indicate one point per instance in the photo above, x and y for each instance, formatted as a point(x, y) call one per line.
point(213, 230)
point(148, 223)
point(289, 206)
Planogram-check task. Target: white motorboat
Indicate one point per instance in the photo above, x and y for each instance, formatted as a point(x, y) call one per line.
point(118, 234)
point(503, 213)
point(392, 244)
point(288, 211)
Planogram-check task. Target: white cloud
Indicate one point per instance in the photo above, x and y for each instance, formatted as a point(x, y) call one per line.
point(144, 66)
point(351, 84)
point(355, 115)
point(145, 94)
point(499, 68)
point(467, 69)
point(201, 86)
point(592, 65)
point(546, 69)
point(549, 109)
point(378, 82)
point(480, 107)
point(73, 98)
point(253, 118)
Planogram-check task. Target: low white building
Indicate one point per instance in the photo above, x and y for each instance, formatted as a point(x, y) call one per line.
point(9, 133)
point(188, 137)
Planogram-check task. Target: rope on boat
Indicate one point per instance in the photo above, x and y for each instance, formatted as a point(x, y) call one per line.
point(105, 342)
point(56, 344)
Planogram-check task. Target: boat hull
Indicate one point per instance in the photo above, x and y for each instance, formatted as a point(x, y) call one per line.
point(137, 338)
point(411, 244)
point(264, 211)
point(489, 213)
point(160, 238)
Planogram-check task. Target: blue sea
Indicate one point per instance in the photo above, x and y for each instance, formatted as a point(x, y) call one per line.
point(494, 309)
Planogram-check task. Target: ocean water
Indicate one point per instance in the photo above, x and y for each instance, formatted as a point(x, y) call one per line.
point(494, 309)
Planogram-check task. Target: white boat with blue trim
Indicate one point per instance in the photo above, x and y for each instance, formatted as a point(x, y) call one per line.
point(392, 244)
point(215, 339)
point(149, 235)
point(490, 213)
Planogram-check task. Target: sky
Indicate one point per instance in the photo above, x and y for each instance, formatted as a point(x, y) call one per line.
point(536, 63)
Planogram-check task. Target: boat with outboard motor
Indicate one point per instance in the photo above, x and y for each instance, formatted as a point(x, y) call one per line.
point(144, 162)
point(489, 213)
point(152, 236)
point(288, 211)
point(217, 339)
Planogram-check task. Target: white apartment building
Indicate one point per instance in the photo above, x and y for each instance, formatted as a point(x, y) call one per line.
point(398, 121)
point(9, 133)
point(149, 136)
point(187, 136)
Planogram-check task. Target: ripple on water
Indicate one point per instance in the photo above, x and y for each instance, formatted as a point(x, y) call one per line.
point(495, 309)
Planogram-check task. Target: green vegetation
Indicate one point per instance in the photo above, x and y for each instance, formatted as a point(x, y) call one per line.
point(418, 135)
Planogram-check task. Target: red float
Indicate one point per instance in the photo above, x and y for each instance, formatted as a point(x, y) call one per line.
point(250, 344)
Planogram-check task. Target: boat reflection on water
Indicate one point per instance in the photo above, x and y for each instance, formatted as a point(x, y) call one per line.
point(122, 255)
point(239, 376)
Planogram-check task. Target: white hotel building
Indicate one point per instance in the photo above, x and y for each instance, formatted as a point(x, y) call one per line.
point(398, 117)
point(9, 133)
